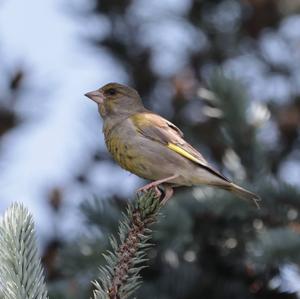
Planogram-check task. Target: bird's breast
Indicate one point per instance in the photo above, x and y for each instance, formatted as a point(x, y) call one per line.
point(121, 147)
point(119, 151)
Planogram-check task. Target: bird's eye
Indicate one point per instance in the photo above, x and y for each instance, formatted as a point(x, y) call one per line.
point(111, 91)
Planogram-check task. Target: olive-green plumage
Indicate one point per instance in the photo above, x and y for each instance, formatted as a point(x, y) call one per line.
point(150, 146)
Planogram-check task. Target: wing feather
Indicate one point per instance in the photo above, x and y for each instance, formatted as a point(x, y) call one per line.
point(161, 130)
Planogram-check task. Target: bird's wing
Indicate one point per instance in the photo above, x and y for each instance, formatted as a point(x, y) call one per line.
point(161, 130)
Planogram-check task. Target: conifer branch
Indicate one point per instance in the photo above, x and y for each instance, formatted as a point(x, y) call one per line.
point(21, 274)
point(120, 277)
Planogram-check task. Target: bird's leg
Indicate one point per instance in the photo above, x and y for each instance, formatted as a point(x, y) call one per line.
point(168, 194)
point(156, 183)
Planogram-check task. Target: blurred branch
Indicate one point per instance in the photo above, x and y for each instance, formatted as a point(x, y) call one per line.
point(120, 277)
point(9, 117)
point(275, 246)
point(240, 134)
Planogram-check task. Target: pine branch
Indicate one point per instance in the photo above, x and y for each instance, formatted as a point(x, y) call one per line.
point(21, 274)
point(120, 277)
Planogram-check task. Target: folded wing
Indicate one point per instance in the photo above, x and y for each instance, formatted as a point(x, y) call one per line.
point(158, 129)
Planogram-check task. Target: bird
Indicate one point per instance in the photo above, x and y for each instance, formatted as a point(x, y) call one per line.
point(153, 148)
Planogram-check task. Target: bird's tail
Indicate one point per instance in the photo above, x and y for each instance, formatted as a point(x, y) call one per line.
point(243, 193)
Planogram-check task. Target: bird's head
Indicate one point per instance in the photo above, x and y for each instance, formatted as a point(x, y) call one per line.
point(115, 100)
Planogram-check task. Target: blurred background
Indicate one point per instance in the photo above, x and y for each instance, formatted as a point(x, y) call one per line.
point(226, 72)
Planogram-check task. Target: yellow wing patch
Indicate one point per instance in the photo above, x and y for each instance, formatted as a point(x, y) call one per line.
point(183, 152)
point(187, 155)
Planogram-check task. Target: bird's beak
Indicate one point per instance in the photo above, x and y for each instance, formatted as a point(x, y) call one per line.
point(96, 95)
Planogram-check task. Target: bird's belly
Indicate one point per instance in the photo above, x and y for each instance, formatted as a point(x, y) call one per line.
point(125, 154)
point(145, 158)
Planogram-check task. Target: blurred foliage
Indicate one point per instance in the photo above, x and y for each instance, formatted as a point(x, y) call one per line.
point(209, 244)
point(9, 117)
point(184, 58)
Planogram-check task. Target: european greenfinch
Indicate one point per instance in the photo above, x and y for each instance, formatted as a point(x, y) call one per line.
point(151, 147)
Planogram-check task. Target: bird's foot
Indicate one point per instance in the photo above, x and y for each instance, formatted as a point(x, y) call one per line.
point(158, 182)
point(149, 186)
point(168, 190)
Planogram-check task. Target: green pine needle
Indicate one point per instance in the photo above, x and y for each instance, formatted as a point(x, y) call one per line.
point(21, 274)
point(120, 277)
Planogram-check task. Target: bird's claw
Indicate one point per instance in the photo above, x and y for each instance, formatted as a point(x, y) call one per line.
point(148, 187)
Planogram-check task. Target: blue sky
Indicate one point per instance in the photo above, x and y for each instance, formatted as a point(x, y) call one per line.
point(63, 127)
